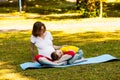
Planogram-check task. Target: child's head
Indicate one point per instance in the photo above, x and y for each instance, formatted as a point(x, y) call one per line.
point(38, 29)
point(56, 55)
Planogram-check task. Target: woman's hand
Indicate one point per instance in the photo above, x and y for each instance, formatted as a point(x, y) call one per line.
point(56, 61)
point(56, 47)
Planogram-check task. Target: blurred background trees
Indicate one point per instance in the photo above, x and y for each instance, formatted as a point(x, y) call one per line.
point(87, 8)
point(93, 8)
point(90, 8)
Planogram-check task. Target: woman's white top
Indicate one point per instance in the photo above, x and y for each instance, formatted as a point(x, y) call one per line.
point(44, 45)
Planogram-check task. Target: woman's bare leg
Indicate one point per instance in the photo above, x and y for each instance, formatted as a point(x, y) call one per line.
point(48, 62)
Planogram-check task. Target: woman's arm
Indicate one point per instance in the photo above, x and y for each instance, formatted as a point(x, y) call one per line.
point(32, 51)
point(57, 47)
point(65, 57)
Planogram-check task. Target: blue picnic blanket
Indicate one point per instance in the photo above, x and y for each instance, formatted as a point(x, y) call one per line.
point(92, 60)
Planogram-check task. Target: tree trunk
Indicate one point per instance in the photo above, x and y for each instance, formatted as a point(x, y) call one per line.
point(91, 5)
point(77, 3)
point(101, 10)
point(24, 5)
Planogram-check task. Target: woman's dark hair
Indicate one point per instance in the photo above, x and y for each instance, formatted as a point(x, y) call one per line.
point(37, 28)
point(54, 56)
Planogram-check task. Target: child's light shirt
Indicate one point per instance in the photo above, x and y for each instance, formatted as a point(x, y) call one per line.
point(44, 46)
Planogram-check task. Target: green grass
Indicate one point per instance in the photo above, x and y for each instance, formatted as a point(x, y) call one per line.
point(14, 50)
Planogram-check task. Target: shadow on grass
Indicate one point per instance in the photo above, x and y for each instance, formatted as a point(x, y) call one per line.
point(57, 17)
point(15, 50)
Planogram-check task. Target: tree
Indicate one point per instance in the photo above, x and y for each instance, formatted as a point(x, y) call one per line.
point(77, 3)
point(24, 5)
point(101, 9)
point(90, 8)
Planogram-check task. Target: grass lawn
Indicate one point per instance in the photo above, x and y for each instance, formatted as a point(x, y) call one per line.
point(14, 50)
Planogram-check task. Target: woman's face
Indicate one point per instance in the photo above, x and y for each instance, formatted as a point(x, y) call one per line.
point(59, 53)
point(42, 31)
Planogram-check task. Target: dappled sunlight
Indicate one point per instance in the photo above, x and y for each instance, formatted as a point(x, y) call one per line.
point(100, 40)
point(86, 25)
point(53, 16)
point(10, 74)
point(95, 36)
point(16, 24)
point(2, 63)
point(23, 34)
point(84, 37)
point(7, 74)
point(71, 0)
point(92, 43)
point(68, 26)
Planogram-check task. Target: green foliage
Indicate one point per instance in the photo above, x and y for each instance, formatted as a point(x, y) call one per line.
point(87, 8)
point(112, 9)
point(14, 50)
point(41, 6)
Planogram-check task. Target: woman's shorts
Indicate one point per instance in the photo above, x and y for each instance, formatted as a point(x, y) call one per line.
point(37, 57)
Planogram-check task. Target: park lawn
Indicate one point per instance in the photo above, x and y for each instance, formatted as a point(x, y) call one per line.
point(14, 50)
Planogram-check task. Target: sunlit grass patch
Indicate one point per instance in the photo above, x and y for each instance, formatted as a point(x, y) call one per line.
point(9, 74)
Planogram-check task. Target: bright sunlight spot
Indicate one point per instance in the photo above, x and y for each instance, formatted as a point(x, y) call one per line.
point(8, 74)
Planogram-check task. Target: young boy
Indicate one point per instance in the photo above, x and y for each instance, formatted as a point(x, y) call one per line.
point(67, 53)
